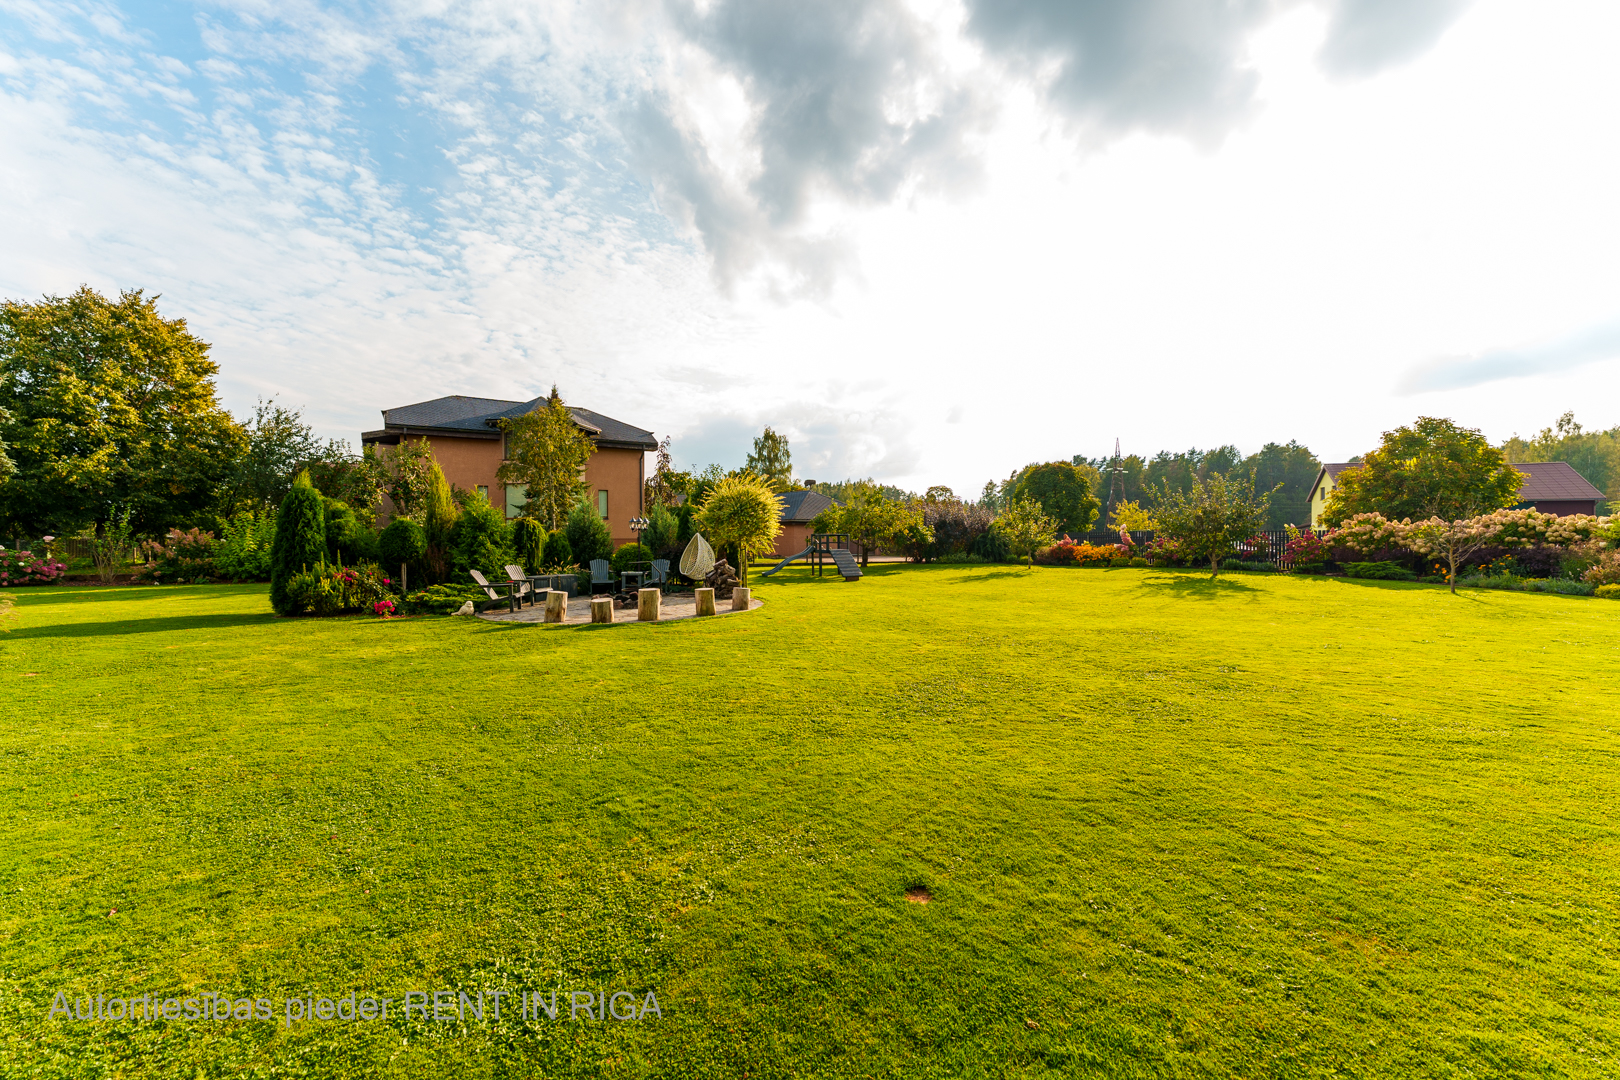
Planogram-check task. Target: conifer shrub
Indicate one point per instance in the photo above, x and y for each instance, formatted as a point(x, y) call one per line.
point(480, 540)
point(439, 513)
point(557, 556)
point(588, 536)
point(300, 543)
point(529, 543)
point(402, 543)
point(628, 554)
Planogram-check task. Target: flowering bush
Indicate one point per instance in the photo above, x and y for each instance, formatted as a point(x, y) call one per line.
point(182, 556)
point(1304, 546)
point(1605, 570)
point(383, 608)
point(23, 568)
point(336, 590)
point(1066, 553)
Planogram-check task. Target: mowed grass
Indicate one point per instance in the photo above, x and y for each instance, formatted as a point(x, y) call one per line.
point(1253, 827)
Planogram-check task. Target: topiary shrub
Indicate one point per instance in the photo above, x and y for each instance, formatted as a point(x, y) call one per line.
point(557, 556)
point(629, 554)
point(1378, 571)
point(1119, 562)
point(479, 540)
point(300, 542)
point(588, 536)
point(1138, 561)
point(529, 543)
point(1607, 592)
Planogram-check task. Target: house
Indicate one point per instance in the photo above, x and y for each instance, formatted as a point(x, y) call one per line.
point(799, 508)
point(1552, 487)
point(469, 444)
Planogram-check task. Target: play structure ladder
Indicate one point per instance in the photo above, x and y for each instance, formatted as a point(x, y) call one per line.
point(846, 564)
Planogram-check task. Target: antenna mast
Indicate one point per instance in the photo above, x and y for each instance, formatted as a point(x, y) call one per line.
point(1116, 486)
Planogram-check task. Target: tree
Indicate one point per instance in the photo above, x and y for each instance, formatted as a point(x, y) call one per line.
point(546, 452)
point(1132, 517)
point(744, 513)
point(990, 496)
point(1432, 469)
point(279, 447)
point(1209, 518)
point(1026, 527)
point(662, 527)
point(666, 486)
point(407, 470)
point(402, 543)
point(1064, 493)
point(479, 540)
point(1289, 469)
point(770, 458)
point(109, 405)
point(438, 513)
point(300, 540)
point(870, 516)
point(529, 543)
point(557, 554)
point(588, 536)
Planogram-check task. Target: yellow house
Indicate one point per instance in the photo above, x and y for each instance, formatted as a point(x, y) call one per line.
point(1324, 487)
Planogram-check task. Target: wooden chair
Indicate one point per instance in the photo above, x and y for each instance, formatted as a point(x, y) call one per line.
point(660, 573)
point(601, 576)
point(520, 579)
point(511, 596)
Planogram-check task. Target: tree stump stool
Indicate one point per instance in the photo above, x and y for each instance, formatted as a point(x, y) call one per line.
point(601, 609)
point(740, 597)
point(556, 606)
point(705, 601)
point(647, 604)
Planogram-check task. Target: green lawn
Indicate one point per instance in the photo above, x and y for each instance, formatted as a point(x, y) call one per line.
point(1172, 827)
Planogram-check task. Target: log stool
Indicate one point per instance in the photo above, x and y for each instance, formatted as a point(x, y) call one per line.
point(740, 597)
point(705, 601)
point(556, 606)
point(601, 609)
point(647, 604)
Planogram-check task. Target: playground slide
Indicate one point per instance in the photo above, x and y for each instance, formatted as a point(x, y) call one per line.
point(787, 560)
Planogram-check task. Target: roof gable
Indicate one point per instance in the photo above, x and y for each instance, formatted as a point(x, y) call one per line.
point(1554, 480)
point(802, 504)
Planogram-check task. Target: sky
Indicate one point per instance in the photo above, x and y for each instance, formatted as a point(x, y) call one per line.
point(928, 241)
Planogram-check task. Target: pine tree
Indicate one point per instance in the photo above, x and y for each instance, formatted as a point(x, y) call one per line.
point(300, 541)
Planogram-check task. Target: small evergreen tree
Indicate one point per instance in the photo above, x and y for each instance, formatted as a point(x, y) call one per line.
point(300, 541)
point(588, 536)
point(439, 513)
point(661, 529)
point(557, 555)
point(402, 544)
point(479, 540)
point(529, 541)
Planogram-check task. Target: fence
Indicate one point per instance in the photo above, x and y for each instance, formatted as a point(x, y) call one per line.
point(1266, 547)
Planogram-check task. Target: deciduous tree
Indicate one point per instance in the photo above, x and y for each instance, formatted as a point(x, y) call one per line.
point(546, 452)
point(1432, 469)
point(771, 459)
point(1064, 492)
point(1026, 527)
point(744, 513)
point(110, 406)
point(1211, 516)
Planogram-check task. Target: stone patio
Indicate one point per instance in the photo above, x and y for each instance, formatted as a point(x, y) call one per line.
point(673, 606)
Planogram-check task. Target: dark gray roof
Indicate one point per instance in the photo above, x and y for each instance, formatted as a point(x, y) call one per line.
point(1553, 480)
point(1549, 480)
point(803, 504)
point(473, 414)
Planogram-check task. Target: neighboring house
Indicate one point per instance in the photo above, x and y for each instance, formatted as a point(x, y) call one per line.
point(799, 508)
point(467, 441)
point(1552, 487)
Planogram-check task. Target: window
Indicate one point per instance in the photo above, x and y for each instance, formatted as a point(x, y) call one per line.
point(483, 489)
point(601, 503)
point(516, 500)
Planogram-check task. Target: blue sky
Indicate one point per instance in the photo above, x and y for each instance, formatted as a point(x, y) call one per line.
point(929, 241)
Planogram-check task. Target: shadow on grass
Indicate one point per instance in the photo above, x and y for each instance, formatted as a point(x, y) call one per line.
point(116, 627)
point(40, 595)
point(1200, 587)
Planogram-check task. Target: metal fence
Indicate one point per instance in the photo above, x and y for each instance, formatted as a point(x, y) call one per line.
point(1267, 547)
